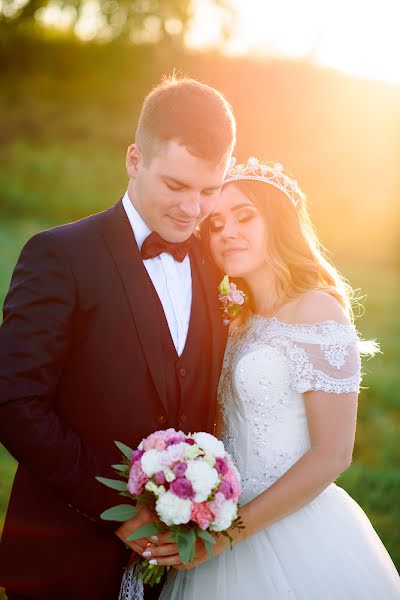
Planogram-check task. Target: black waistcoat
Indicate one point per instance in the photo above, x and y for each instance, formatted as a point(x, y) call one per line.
point(190, 400)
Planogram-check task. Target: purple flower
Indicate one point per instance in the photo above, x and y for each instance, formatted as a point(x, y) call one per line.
point(179, 469)
point(160, 478)
point(221, 465)
point(226, 489)
point(182, 488)
point(136, 455)
point(174, 440)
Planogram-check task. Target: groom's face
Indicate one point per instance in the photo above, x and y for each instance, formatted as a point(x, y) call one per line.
point(173, 191)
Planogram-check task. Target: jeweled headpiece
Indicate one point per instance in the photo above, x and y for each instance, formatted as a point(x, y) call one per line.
point(272, 174)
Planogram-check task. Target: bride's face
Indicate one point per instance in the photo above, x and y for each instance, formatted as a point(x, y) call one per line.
point(237, 234)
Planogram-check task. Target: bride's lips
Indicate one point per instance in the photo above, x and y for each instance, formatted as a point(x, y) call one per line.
point(232, 250)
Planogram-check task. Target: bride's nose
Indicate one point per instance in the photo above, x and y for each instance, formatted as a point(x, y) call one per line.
point(229, 230)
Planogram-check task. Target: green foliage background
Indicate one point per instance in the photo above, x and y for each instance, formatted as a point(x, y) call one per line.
point(68, 112)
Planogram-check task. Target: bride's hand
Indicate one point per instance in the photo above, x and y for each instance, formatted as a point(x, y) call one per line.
point(143, 517)
point(201, 554)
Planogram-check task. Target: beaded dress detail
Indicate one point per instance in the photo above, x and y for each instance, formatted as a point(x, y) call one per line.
point(267, 366)
point(327, 549)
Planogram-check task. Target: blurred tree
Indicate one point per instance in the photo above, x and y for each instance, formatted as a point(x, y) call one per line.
point(140, 21)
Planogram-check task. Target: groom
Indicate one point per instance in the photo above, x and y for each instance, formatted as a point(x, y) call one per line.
point(111, 330)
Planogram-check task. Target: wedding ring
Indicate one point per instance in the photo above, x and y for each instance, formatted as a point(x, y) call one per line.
point(148, 544)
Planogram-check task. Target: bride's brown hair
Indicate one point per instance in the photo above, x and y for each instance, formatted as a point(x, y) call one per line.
point(293, 250)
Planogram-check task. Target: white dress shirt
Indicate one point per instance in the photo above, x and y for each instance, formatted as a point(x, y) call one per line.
point(171, 279)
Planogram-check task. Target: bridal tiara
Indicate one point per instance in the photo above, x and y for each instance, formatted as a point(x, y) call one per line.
point(273, 174)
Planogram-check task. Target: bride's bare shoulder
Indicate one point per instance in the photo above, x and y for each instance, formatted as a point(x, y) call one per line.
point(317, 306)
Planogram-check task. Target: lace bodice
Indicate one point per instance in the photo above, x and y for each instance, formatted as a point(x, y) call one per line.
point(268, 365)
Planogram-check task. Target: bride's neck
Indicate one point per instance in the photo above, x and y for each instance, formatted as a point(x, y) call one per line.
point(262, 285)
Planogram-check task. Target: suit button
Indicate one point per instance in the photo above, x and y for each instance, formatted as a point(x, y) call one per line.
point(182, 372)
point(183, 418)
point(161, 419)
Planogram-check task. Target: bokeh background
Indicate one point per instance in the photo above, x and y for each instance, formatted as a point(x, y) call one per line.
point(314, 85)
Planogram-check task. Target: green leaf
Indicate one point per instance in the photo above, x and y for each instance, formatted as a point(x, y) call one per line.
point(126, 451)
point(186, 541)
point(122, 512)
point(209, 548)
point(206, 536)
point(115, 484)
point(224, 286)
point(208, 540)
point(122, 468)
point(144, 531)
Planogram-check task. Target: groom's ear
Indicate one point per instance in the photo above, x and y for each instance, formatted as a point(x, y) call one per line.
point(133, 159)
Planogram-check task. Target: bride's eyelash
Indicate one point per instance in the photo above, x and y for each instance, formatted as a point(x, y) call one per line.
point(242, 219)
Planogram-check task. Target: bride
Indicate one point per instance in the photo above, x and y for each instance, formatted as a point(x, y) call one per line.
point(288, 399)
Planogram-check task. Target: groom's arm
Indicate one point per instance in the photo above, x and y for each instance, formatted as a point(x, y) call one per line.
point(35, 340)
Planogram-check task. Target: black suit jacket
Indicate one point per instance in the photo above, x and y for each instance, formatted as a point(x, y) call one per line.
point(79, 368)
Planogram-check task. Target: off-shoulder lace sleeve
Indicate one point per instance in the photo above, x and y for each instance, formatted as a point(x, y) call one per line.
point(324, 356)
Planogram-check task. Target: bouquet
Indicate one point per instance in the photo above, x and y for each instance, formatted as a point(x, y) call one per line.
point(191, 484)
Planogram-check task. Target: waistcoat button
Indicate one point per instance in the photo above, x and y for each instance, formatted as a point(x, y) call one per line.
point(182, 372)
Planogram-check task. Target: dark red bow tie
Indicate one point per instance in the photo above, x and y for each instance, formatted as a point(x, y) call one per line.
point(154, 245)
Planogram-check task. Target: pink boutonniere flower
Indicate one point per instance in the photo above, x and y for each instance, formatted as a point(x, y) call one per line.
point(231, 298)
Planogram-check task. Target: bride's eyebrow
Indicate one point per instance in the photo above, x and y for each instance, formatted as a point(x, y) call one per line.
point(234, 209)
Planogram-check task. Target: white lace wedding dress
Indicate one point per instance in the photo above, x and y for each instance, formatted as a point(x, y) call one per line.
point(327, 550)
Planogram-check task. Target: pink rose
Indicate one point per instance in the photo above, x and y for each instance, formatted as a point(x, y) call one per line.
point(137, 479)
point(232, 477)
point(221, 465)
point(201, 514)
point(136, 455)
point(160, 478)
point(182, 488)
point(159, 440)
point(155, 441)
point(226, 489)
point(236, 296)
point(217, 505)
point(179, 469)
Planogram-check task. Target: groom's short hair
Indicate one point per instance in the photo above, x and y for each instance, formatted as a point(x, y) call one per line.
point(192, 113)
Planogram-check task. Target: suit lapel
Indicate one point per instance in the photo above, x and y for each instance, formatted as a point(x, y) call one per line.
point(121, 242)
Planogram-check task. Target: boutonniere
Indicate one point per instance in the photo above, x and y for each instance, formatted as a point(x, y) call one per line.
point(232, 300)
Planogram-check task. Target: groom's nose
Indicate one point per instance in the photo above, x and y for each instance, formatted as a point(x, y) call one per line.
point(191, 205)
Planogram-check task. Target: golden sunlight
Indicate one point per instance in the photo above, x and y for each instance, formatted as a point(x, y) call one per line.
point(359, 37)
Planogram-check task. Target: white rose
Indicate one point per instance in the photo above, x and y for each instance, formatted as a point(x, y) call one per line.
point(173, 510)
point(203, 478)
point(210, 444)
point(151, 462)
point(228, 514)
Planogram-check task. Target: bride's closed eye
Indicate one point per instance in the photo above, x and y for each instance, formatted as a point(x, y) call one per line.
point(217, 225)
